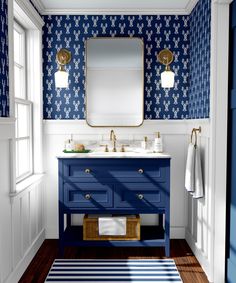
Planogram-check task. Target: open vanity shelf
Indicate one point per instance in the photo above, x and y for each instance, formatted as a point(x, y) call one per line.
point(114, 186)
point(150, 237)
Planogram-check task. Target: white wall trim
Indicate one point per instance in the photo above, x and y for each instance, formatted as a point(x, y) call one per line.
point(23, 9)
point(115, 12)
point(25, 186)
point(185, 11)
point(7, 128)
point(218, 132)
point(25, 261)
point(39, 6)
point(223, 2)
point(177, 232)
point(177, 127)
point(191, 5)
point(198, 253)
point(7, 121)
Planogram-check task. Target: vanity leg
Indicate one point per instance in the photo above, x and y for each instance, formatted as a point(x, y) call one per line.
point(161, 220)
point(61, 232)
point(68, 220)
point(167, 233)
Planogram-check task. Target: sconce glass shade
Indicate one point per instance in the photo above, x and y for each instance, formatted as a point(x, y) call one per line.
point(61, 79)
point(167, 79)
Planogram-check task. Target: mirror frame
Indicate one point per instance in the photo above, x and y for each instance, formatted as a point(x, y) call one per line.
point(86, 96)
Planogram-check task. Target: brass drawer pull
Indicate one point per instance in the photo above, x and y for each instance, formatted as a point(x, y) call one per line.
point(87, 170)
point(139, 196)
point(87, 196)
point(140, 171)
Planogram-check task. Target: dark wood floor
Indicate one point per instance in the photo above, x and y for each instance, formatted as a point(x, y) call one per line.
point(187, 264)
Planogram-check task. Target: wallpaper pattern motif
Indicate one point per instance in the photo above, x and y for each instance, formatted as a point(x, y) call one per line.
point(4, 82)
point(157, 32)
point(199, 82)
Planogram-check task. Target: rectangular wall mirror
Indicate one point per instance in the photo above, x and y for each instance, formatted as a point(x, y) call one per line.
point(114, 82)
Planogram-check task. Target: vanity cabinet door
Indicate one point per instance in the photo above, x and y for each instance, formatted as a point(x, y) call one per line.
point(88, 195)
point(147, 196)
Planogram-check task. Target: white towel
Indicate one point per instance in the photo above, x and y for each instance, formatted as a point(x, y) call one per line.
point(198, 184)
point(189, 173)
point(112, 226)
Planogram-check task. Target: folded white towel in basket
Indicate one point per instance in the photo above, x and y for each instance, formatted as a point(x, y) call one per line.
point(112, 226)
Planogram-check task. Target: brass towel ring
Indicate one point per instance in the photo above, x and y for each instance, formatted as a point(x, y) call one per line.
point(194, 131)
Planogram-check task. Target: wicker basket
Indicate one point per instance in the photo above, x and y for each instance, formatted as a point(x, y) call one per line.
point(90, 230)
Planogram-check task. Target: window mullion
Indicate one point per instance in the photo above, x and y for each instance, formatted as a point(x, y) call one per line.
point(23, 138)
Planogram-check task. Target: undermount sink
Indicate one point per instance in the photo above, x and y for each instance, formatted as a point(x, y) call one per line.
point(113, 154)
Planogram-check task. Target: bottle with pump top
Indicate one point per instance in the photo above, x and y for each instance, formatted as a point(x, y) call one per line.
point(158, 145)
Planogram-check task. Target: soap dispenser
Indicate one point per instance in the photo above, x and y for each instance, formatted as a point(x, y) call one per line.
point(158, 145)
point(69, 145)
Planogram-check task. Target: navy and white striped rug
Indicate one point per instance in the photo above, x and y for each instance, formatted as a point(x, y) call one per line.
point(114, 271)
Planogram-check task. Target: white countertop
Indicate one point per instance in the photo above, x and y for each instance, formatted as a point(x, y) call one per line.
point(128, 154)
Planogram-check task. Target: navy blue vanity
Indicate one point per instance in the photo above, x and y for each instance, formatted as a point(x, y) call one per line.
point(115, 186)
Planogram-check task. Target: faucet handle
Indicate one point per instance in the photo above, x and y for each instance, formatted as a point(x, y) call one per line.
point(106, 147)
point(123, 147)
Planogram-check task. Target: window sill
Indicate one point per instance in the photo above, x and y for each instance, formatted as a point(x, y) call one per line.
point(26, 183)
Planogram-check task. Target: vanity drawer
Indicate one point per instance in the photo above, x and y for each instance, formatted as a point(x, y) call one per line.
point(140, 195)
point(93, 170)
point(88, 195)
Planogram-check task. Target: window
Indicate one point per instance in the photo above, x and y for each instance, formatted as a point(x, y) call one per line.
point(23, 107)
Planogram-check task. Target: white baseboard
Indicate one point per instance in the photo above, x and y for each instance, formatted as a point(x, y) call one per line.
point(177, 232)
point(51, 233)
point(204, 262)
point(25, 261)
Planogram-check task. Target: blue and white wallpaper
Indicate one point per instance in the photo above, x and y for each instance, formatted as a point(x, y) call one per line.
point(4, 82)
point(157, 32)
point(199, 82)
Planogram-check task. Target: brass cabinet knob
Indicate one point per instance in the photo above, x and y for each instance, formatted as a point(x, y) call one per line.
point(87, 196)
point(140, 171)
point(87, 170)
point(139, 196)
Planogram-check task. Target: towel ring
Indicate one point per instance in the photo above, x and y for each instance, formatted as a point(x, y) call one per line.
point(194, 131)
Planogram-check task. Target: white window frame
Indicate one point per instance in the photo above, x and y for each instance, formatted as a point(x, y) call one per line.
point(24, 13)
point(24, 100)
point(29, 138)
point(20, 29)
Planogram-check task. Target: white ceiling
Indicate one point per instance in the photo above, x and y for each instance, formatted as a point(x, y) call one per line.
point(115, 6)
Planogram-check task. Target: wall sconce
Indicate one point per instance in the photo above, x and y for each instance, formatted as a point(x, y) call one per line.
point(167, 77)
point(61, 76)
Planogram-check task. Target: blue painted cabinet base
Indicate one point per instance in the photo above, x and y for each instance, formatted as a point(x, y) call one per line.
point(114, 186)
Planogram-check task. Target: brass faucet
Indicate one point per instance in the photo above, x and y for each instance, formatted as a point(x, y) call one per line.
point(113, 139)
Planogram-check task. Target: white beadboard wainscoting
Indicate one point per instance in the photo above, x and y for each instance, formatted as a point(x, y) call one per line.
point(190, 219)
point(21, 214)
